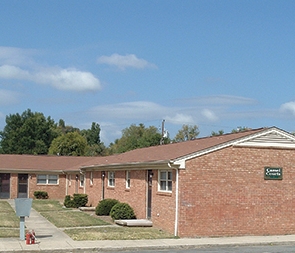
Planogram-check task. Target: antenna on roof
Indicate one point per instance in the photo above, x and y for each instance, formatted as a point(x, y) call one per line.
point(163, 133)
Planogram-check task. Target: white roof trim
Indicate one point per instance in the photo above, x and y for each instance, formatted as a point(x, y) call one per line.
point(245, 141)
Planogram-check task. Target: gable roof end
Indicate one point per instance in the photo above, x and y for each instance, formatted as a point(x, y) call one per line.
point(268, 137)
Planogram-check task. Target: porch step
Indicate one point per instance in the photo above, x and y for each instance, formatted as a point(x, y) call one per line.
point(135, 223)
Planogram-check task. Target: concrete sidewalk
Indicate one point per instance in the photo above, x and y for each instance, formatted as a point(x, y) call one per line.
point(52, 239)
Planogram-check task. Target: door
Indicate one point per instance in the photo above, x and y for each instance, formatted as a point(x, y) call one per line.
point(4, 185)
point(149, 193)
point(22, 186)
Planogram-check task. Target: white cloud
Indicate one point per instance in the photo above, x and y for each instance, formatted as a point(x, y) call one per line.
point(221, 100)
point(289, 107)
point(8, 97)
point(130, 110)
point(16, 63)
point(68, 79)
point(16, 56)
point(12, 72)
point(180, 119)
point(123, 62)
point(63, 79)
point(209, 114)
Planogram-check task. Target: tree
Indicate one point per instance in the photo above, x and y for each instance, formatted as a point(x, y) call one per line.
point(69, 144)
point(240, 129)
point(220, 132)
point(28, 133)
point(92, 135)
point(187, 133)
point(135, 137)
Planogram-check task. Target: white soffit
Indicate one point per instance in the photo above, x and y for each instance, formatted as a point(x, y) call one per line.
point(273, 139)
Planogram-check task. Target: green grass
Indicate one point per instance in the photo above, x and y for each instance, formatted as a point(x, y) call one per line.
point(117, 233)
point(72, 218)
point(47, 205)
point(8, 218)
point(78, 225)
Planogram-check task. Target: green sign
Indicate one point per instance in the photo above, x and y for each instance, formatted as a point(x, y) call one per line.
point(271, 173)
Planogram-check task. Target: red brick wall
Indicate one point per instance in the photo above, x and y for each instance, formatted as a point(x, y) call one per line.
point(224, 194)
point(13, 185)
point(57, 192)
point(163, 206)
point(135, 196)
point(93, 188)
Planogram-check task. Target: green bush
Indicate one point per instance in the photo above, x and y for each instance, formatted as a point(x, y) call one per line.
point(76, 201)
point(80, 199)
point(104, 206)
point(68, 202)
point(41, 195)
point(122, 211)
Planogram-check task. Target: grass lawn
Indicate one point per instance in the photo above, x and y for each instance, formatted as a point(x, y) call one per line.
point(8, 218)
point(117, 233)
point(62, 217)
point(77, 224)
point(9, 222)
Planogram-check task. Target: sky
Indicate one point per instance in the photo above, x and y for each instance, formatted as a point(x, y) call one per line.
point(215, 64)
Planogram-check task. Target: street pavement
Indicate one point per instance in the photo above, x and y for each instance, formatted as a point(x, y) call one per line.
point(52, 239)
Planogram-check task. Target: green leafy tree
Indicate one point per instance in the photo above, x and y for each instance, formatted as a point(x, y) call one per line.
point(220, 132)
point(92, 135)
point(187, 133)
point(135, 137)
point(27, 133)
point(69, 144)
point(240, 129)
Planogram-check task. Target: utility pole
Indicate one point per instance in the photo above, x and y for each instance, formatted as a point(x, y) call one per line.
point(163, 132)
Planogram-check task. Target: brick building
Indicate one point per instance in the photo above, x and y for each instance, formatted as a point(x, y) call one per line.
point(227, 185)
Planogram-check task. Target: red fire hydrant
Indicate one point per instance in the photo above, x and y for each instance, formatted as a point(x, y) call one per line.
point(28, 237)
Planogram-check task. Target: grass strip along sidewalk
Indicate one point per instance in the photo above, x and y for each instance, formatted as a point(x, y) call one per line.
point(9, 222)
point(88, 226)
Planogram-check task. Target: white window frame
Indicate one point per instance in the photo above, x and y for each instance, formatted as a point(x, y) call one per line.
point(127, 178)
point(111, 178)
point(165, 180)
point(48, 179)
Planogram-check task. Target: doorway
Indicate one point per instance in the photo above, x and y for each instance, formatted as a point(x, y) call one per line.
point(22, 186)
point(4, 185)
point(149, 193)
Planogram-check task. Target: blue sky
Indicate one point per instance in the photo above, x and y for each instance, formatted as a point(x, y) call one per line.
point(215, 64)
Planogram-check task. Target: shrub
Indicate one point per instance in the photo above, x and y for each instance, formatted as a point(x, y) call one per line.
point(68, 202)
point(41, 195)
point(104, 206)
point(122, 211)
point(80, 199)
point(76, 201)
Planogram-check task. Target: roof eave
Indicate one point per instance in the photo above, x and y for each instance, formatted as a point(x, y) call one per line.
point(130, 166)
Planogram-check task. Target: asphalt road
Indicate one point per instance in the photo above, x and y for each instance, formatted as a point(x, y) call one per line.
point(226, 249)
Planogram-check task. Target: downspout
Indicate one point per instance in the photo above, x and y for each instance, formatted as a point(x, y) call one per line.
point(176, 201)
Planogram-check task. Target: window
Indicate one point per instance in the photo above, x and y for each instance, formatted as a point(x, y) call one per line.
point(47, 179)
point(111, 178)
point(127, 179)
point(81, 180)
point(165, 180)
